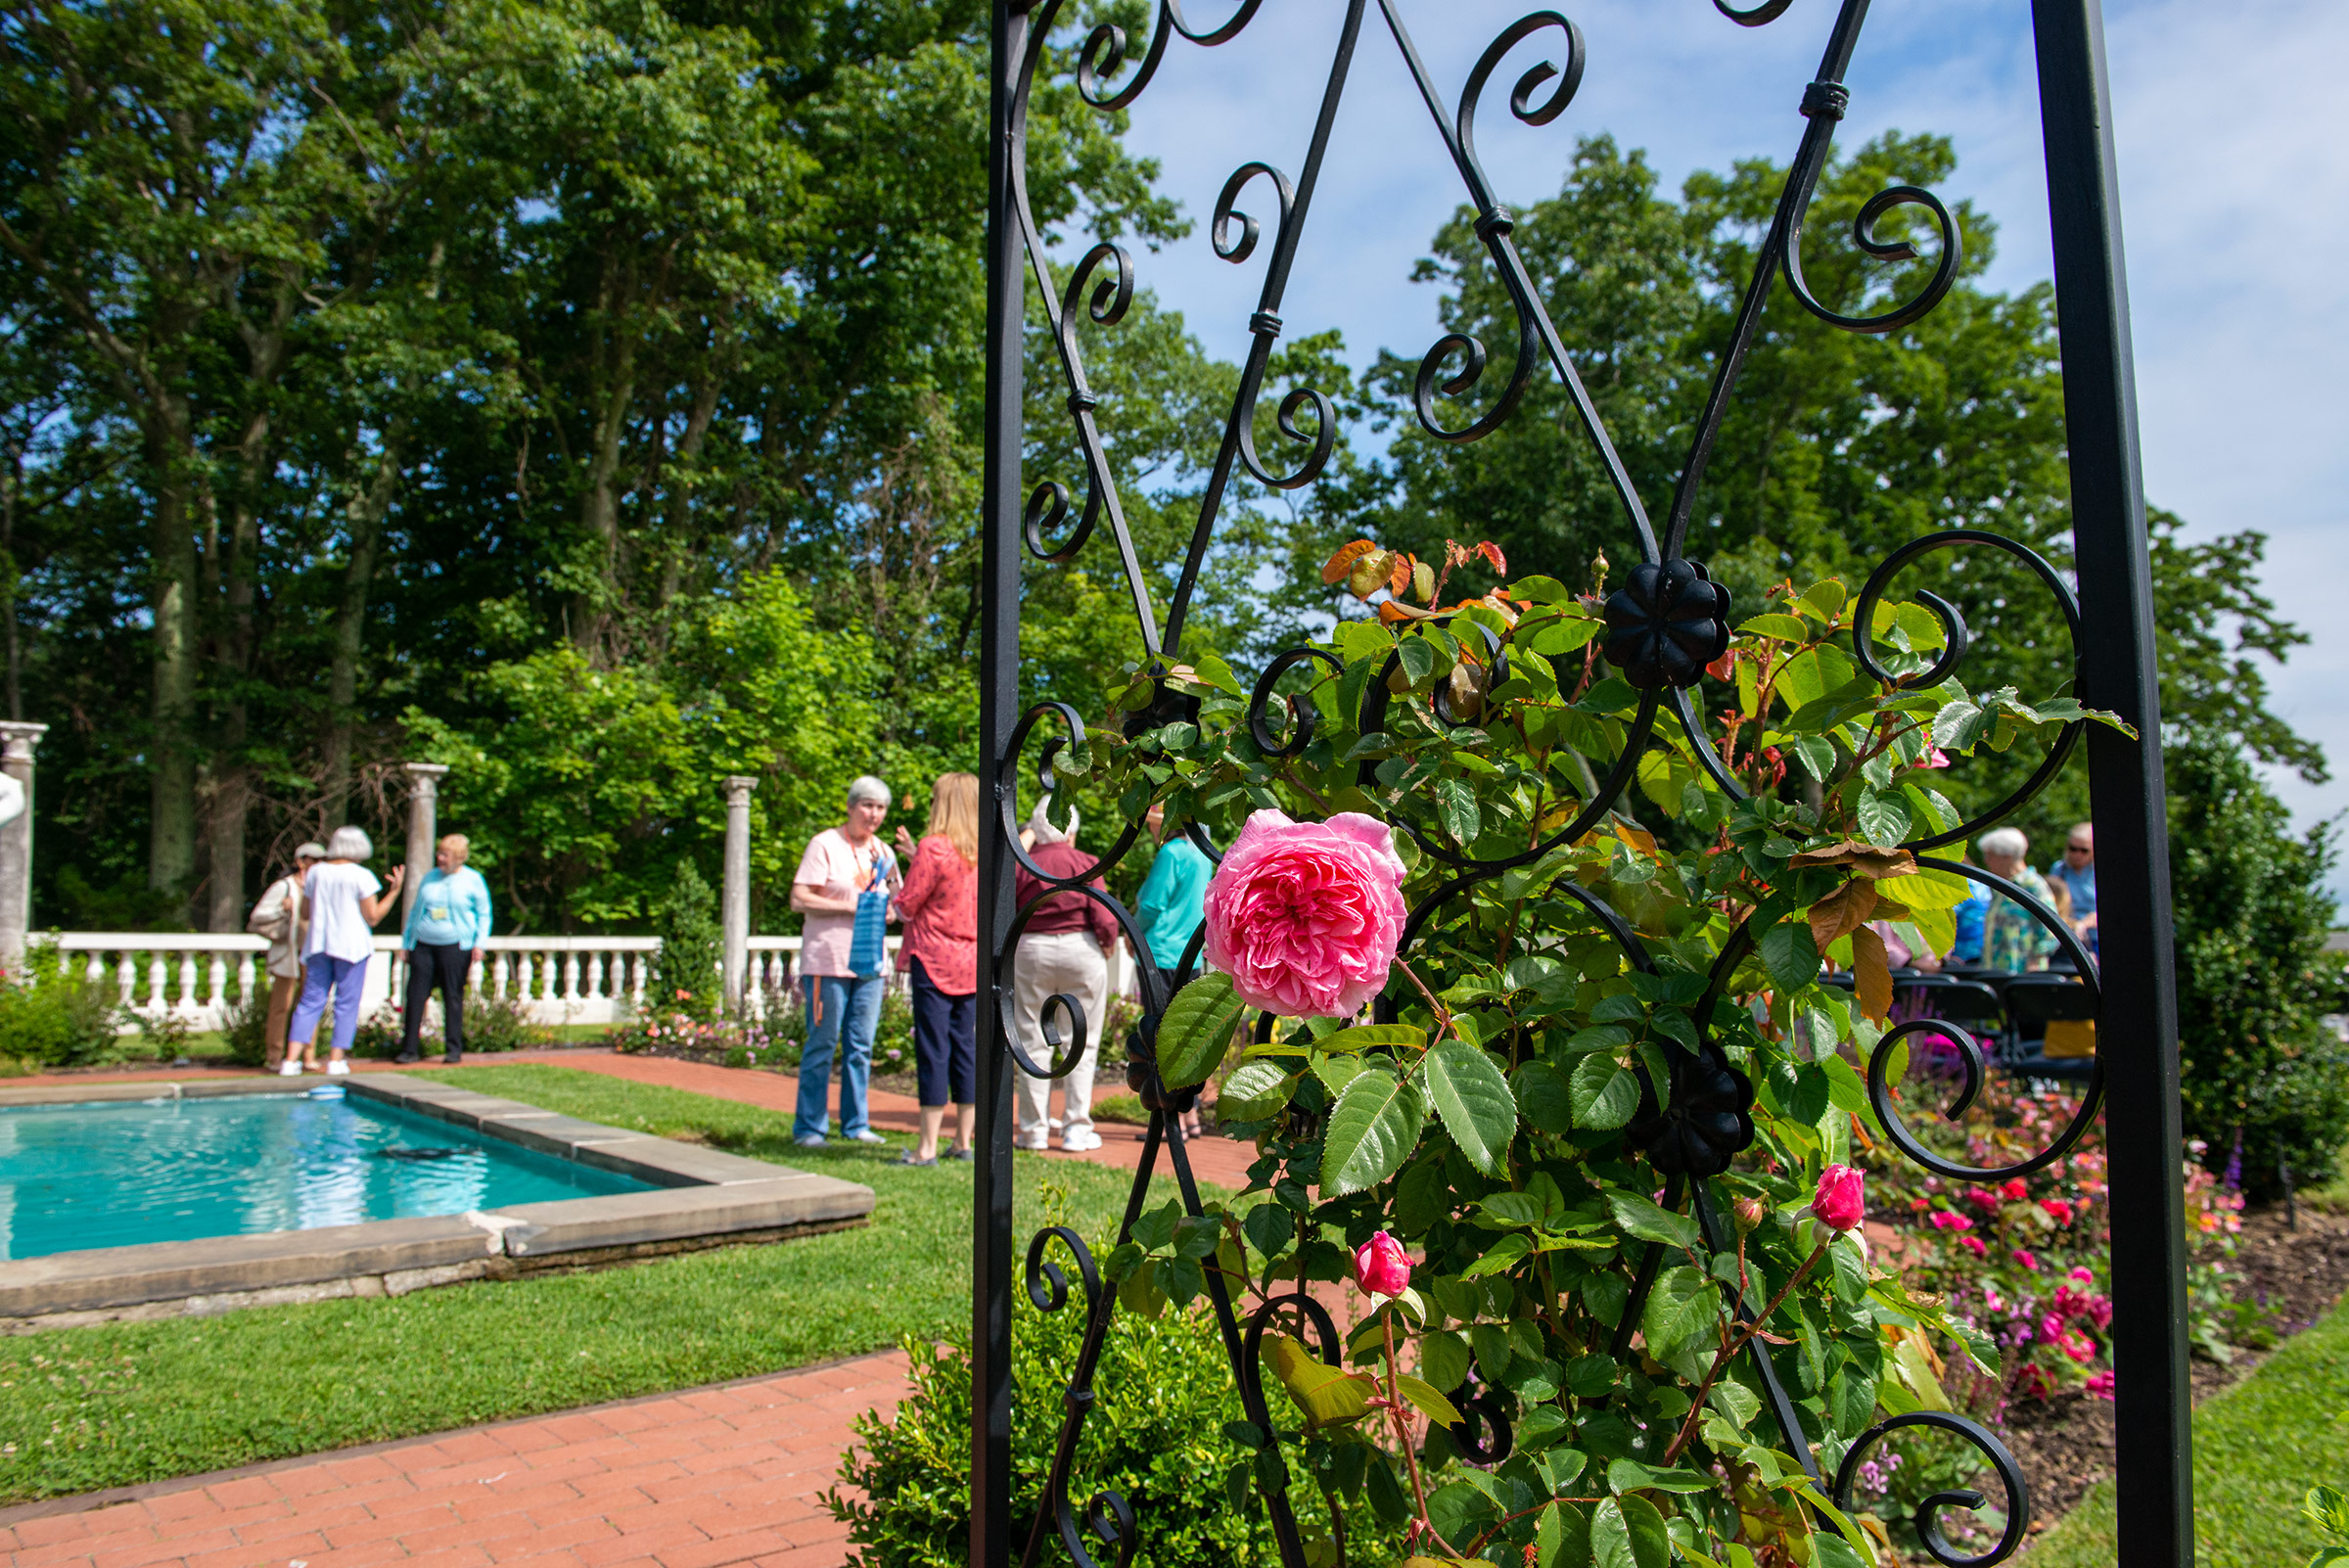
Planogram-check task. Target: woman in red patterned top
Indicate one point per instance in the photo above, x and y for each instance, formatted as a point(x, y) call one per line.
point(940, 907)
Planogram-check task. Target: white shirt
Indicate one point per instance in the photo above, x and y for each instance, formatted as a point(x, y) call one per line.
point(336, 927)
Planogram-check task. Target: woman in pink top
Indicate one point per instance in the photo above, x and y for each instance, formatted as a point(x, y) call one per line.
point(846, 874)
point(940, 908)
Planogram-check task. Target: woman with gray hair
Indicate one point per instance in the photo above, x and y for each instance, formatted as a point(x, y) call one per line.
point(842, 891)
point(341, 902)
point(2011, 939)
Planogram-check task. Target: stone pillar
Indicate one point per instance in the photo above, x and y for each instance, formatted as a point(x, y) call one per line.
point(424, 827)
point(16, 741)
point(735, 897)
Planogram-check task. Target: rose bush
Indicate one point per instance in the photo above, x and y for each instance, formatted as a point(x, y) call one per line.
point(1605, 1095)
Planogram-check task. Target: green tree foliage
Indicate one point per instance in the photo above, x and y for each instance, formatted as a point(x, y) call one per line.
point(1837, 448)
point(2253, 977)
point(588, 786)
point(407, 346)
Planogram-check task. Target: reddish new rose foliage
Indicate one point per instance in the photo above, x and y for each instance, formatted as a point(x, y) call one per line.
point(1841, 1202)
point(1380, 1268)
point(1306, 917)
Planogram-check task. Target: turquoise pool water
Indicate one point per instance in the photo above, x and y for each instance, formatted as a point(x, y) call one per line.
point(119, 1175)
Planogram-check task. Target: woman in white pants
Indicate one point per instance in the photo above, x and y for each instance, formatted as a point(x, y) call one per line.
point(1063, 950)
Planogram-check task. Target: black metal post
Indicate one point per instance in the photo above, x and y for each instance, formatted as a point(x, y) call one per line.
point(2137, 1033)
point(998, 712)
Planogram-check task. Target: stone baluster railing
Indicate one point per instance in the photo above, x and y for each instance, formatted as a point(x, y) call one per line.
point(197, 977)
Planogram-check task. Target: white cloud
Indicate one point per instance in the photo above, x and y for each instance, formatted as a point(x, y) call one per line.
point(2229, 127)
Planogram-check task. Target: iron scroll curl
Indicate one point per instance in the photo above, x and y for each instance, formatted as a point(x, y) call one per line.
point(1706, 1090)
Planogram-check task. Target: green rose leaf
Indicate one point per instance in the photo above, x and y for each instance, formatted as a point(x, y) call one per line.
point(1195, 1029)
point(1815, 754)
point(1544, 1097)
point(1456, 804)
point(1883, 818)
point(1254, 1092)
point(1373, 1127)
point(1629, 1533)
point(1650, 1222)
point(1790, 955)
point(1443, 1359)
point(1603, 1094)
point(1475, 1103)
point(1682, 1305)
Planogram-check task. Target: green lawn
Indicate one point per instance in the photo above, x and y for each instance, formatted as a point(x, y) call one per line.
point(88, 1407)
point(2258, 1448)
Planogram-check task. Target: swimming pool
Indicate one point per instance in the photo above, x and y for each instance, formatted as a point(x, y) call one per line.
point(77, 1177)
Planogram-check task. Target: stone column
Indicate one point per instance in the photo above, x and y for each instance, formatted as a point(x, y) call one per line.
point(16, 741)
point(424, 827)
point(735, 897)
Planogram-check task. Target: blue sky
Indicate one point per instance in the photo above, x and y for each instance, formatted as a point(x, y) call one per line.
point(2235, 184)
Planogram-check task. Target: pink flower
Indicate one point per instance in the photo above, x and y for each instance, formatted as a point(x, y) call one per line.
point(2022, 1255)
point(1943, 1219)
point(2100, 1384)
point(1986, 1201)
point(1380, 1268)
point(1840, 1201)
point(1306, 917)
point(2015, 1191)
point(2058, 1210)
point(2069, 1303)
point(2079, 1346)
point(2051, 1327)
point(2084, 1276)
point(1935, 756)
point(2099, 1312)
point(1973, 1244)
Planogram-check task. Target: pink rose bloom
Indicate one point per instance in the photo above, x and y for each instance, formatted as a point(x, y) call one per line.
point(2086, 1276)
point(2100, 1385)
point(2022, 1255)
point(2015, 1190)
point(1839, 1203)
point(2079, 1346)
point(1986, 1201)
point(2058, 1210)
point(1306, 917)
point(1946, 1221)
point(2069, 1301)
point(2099, 1312)
point(1380, 1268)
point(2051, 1327)
point(1973, 1244)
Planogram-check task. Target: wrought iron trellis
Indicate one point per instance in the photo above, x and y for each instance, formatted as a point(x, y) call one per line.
point(2110, 620)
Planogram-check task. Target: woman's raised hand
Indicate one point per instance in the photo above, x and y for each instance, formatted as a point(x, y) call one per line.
point(906, 845)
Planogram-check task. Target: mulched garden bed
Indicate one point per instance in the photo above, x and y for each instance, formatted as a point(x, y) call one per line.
point(2066, 1445)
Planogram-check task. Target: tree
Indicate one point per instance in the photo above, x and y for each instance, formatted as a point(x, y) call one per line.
point(2256, 1060)
point(1837, 449)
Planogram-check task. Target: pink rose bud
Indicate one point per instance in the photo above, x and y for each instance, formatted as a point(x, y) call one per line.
point(1380, 1269)
point(1750, 1213)
point(1839, 1202)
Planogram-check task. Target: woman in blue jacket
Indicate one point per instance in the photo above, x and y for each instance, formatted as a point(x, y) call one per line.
point(446, 926)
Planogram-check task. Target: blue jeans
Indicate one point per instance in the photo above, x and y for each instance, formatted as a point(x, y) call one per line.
point(348, 977)
point(855, 1003)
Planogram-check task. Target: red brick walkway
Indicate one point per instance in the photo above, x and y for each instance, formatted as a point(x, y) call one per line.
point(705, 1478)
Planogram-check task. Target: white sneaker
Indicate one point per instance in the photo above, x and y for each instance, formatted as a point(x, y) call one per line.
point(1080, 1142)
point(289, 1068)
point(1034, 1145)
point(337, 1069)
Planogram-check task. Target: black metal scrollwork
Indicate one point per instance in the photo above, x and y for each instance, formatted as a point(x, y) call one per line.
point(1927, 1518)
point(1664, 625)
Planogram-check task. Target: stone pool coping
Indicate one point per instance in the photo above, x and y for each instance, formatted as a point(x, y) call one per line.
point(702, 1197)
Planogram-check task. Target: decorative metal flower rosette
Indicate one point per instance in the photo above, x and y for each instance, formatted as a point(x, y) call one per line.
point(1663, 626)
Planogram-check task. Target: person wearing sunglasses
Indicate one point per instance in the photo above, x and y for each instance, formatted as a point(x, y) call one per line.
point(2077, 872)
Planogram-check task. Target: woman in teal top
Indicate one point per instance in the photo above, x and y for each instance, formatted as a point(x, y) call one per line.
point(446, 926)
point(1173, 898)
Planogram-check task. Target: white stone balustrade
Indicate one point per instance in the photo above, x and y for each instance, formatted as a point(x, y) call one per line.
point(560, 980)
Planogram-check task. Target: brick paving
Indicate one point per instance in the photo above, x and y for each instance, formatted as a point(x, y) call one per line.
point(703, 1479)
